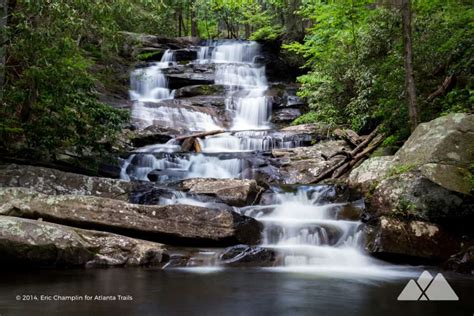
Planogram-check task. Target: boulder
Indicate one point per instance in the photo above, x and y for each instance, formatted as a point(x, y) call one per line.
point(411, 194)
point(447, 140)
point(303, 165)
point(203, 101)
point(247, 256)
point(285, 115)
point(442, 150)
point(462, 262)
point(370, 173)
point(396, 240)
point(200, 90)
point(38, 243)
point(170, 224)
point(153, 135)
point(52, 181)
point(179, 80)
point(234, 192)
point(185, 54)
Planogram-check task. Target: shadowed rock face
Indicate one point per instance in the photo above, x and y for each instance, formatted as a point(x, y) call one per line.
point(231, 191)
point(171, 224)
point(245, 256)
point(38, 243)
point(409, 241)
point(412, 194)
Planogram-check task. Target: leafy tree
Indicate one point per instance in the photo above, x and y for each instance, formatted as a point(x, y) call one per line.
point(354, 53)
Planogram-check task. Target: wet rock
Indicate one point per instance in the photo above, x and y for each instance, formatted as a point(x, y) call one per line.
point(246, 256)
point(180, 80)
point(204, 101)
point(179, 110)
point(52, 181)
point(461, 262)
point(230, 191)
point(200, 90)
point(285, 115)
point(304, 164)
point(171, 224)
point(185, 54)
point(153, 135)
point(38, 243)
point(409, 241)
point(186, 117)
point(349, 212)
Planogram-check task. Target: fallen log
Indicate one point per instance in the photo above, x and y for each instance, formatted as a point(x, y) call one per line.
point(351, 158)
point(199, 135)
point(350, 164)
point(349, 136)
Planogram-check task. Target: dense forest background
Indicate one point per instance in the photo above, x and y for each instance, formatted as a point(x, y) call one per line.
point(59, 55)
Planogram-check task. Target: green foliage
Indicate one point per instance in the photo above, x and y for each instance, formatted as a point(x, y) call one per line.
point(267, 33)
point(50, 103)
point(356, 68)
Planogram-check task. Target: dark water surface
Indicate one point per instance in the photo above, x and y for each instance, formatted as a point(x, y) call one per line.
point(225, 292)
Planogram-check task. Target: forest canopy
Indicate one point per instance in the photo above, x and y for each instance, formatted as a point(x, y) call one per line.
point(57, 54)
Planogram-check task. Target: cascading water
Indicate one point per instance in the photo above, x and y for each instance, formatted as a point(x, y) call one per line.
point(311, 234)
point(235, 67)
point(149, 83)
point(304, 227)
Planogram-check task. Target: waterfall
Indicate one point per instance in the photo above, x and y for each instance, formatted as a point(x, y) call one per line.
point(246, 98)
point(149, 83)
point(304, 227)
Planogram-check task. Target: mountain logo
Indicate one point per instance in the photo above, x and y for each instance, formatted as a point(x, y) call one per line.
point(427, 288)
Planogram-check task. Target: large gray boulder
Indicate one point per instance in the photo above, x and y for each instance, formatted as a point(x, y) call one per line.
point(411, 194)
point(52, 181)
point(38, 243)
point(442, 150)
point(171, 224)
point(234, 192)
point(409, 241)
point(447, 140)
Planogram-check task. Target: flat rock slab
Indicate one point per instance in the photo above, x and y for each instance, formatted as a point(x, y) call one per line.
point(52, 181)
point(38, 243)
point(234, 192)
point(170, 224)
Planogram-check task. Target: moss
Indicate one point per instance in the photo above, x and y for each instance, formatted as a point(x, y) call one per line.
point(400, 169)
point(470, 177)
point(149, 55)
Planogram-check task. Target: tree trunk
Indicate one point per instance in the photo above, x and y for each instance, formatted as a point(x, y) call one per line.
point(3, 40)
point(409, 78)
point(194, 26)
point(294, 24)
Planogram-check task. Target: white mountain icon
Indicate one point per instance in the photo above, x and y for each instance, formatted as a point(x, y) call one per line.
point(426, 288)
